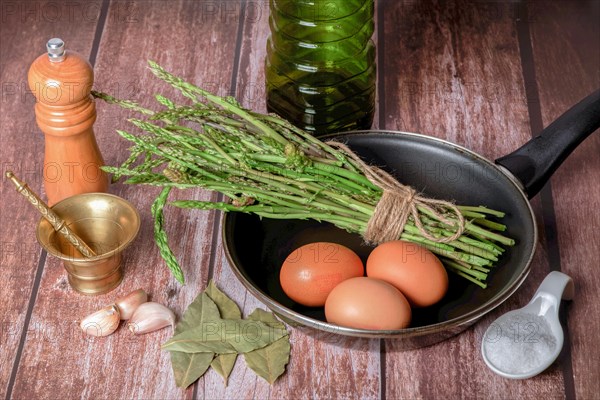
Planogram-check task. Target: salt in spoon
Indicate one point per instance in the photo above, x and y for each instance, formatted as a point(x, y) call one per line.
point(522, 343)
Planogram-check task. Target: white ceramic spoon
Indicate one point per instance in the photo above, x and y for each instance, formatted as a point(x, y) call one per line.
point(522, 343)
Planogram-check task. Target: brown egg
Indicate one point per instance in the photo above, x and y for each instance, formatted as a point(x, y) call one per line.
point(411, 268)
point(310, 272)
point(367, 303)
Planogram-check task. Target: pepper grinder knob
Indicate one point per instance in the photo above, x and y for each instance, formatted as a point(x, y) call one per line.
point(61, 81)
point(56, 50)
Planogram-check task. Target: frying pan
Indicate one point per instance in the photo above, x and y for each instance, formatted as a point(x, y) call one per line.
point(256, 247)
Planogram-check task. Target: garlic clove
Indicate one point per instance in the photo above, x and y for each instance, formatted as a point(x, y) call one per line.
point(102, 322)
point(129, 303)
point(150, 317)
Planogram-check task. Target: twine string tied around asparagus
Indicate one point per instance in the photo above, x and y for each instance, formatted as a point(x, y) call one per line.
point(398, 202)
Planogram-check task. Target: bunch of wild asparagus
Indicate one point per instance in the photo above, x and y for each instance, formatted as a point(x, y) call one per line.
point(266, 166)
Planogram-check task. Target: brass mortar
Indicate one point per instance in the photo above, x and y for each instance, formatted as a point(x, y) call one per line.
point(108, 224)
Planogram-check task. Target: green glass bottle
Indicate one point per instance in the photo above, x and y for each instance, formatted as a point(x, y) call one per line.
point(320, 65)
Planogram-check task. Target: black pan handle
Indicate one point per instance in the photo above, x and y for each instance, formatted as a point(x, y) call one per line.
point(534, 163)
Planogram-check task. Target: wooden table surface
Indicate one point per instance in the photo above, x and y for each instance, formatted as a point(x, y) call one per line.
point(484, 74)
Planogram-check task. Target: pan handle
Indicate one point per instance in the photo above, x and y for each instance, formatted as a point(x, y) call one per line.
point(535, 161)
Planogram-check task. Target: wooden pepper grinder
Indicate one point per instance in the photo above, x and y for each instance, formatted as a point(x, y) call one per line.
point(61, 82)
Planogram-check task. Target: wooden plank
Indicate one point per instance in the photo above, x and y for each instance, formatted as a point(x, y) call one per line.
point(566, 47)
point(457, 76)
point(24, 30)
point(190, 40)
point(453, 72)
point(321, 366)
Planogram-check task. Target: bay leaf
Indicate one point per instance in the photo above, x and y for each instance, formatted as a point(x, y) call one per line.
point(226, 336)
point(269, 362)
point(267, 317)
point(202, 309)
point(227, 307)
point(223, 363)
point(188, 367)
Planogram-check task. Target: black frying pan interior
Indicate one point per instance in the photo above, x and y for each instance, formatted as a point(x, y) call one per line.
point(438, 169)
